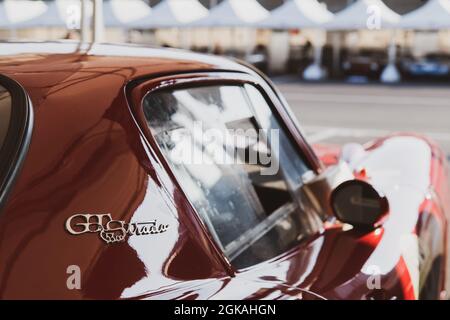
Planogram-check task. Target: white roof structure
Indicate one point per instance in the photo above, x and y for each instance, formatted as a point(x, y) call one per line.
point(122, 13)
point(172, 13)
point(234, 13)
point(67, 13)
point(433, 15)
point(15, 13)
point(57, 13)
point(297, 14)
point(4, 21)
point(364, 14)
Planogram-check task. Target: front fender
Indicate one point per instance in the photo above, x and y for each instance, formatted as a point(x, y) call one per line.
point(404, 167)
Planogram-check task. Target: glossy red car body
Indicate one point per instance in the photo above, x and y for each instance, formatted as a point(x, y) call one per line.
point(91, 152)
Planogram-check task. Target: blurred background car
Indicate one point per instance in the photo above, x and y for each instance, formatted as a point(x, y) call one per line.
point(259, 58)
point(436, 65)
point(365, 62)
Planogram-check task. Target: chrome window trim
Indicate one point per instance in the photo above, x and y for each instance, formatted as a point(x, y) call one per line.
point(17, 142)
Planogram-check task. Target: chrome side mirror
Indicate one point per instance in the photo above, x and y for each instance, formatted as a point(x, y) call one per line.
point(359, 204)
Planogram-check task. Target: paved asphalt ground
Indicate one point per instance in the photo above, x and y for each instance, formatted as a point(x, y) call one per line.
point(343, 112)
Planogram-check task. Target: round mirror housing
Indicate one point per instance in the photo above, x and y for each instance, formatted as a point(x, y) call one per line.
point(358, 203)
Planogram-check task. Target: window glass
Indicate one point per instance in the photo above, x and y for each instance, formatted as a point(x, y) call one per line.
point(5, 114)
point(236, 165)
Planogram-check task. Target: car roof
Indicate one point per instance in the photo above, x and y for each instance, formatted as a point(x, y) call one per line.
point(18, 59)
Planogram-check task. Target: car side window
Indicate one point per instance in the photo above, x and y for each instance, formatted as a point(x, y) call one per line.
point(237, 166)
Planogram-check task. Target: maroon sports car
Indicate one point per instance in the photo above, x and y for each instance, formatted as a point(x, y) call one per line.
point(129, 172)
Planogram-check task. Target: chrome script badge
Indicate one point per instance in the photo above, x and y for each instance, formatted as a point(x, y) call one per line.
point(109, 230)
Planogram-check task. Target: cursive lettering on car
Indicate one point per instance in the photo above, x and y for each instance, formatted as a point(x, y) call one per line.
point(110, 230)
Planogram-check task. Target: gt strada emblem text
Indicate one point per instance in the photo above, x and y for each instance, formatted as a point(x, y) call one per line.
point(111, 231)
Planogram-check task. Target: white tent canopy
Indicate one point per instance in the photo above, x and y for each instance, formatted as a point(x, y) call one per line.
point(57, 13)
point(434, 15)
point(67, 13)
point(4, 20)
point(297, 14)
point(15, 13)
point(234, 13)
point(122, 13)
point(172, 13)
point(364, 14)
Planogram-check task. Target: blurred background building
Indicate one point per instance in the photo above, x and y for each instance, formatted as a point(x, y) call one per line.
point(319, 39)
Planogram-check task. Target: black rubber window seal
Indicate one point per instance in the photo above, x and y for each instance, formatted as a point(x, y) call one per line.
point(18, 137)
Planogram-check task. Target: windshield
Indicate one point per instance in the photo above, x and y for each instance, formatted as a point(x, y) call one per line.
point(372, 54)
point(236, 165)
point(435, 57)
